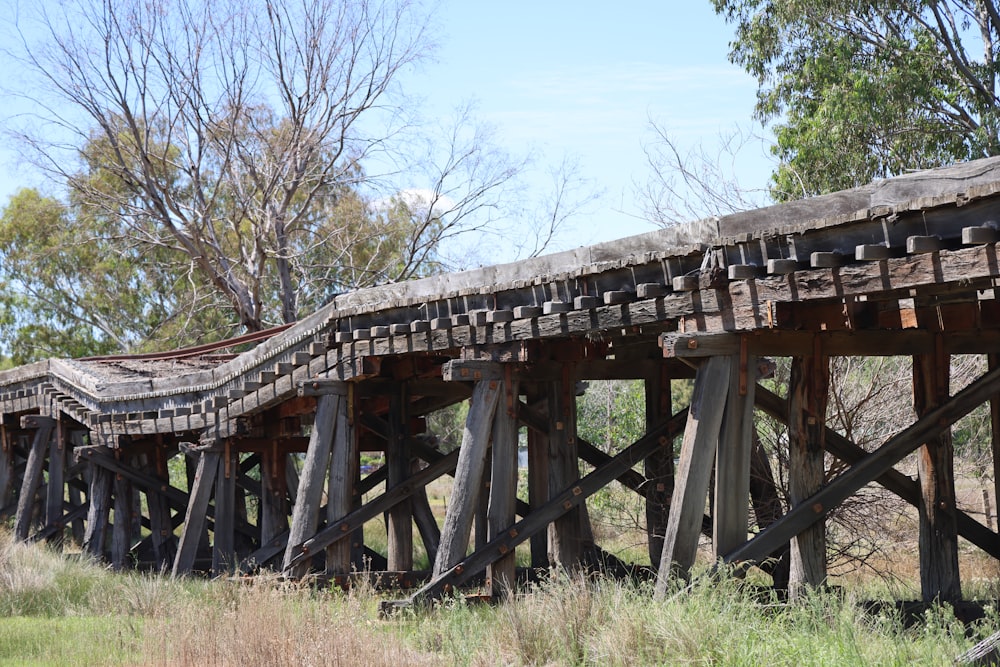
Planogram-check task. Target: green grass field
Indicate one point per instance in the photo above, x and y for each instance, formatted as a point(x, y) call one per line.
point(59, 611)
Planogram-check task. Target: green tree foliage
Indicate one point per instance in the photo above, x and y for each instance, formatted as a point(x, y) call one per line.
point(68, 288)
point(215, 159)
point(228, 138)
point(864, 90)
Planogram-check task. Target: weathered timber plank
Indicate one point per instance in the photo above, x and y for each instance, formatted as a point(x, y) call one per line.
point(224, 533)
point(97, 511)
point(342, 488)
point(273, 516)
point(538, 473)
point(808, 389)
point(468, 475)
point(732, 476)
point(315, 471)
point(426, 522)
point(121, 528)
point(503, 490)
point(160, 494)
point(197, 509)
point(698, 448)
point(659, 467)
point(564, 538)
point(868, 469)
point(399, 521)
point(342, 528)
point(32, 474)
point(55, 487)
point(938, 534)
point(541, 517)
point(893, 480)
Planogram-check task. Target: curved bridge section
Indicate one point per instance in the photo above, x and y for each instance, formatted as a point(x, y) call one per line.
point(213, 460)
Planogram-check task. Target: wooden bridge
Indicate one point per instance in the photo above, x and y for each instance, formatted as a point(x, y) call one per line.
point(906, 266)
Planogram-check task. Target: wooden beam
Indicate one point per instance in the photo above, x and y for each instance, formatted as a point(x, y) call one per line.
point(868, 469)
point(468, 475)
point(540, 518)
point(565, 547)
point(538, 473)
point(197, 509)
point(503, 488)
point(321, 387)
point(273, 512)
point(423, 517)
point(32, 473)
point(938, 538)
point(659, 467)
point(342, 491)
point(158, 502)
point(732, 474)
point(224, 557)
point(807, 399)
point(7, 464)
point(399, 521)
point(56, 487)
point(698, 449)
point(121, 528)
point(315, 471)
point(893, 480)
point(342, 528)
point(97, 512)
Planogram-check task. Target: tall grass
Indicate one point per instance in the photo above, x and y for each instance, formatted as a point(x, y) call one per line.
point(55, 610)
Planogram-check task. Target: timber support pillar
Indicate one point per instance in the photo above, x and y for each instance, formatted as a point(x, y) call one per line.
point(32, 481)
point(470, 467)
point(315, 471)
point(807, 399)
point(938, 538)
point(694, 472)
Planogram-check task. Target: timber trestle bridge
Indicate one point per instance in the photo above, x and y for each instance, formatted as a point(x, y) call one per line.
point(904, 267)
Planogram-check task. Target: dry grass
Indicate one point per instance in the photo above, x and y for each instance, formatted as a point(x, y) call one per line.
point(266, 622)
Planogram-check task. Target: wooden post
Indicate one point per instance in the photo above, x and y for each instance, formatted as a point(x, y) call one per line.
point(538, 475)
point(993, 362)
point(121, 528)
point(55, 489)
point(397, 458)
point(97, 513)
point(76, 495)
point(6, 463)
point(197, 510)
point(938, 541)
point(564, 470)
point(273, 516)
point(659, 467)
point(732, 476)
point(468, 475)
point(503, 488)
point(341, 495)
point(160, 520)
point(32, 472)
point(807, 397)
point(766, 502)
point(423, 516)
point(483, 503)
point(315, 471)
point(224, 553)
point(687, 504)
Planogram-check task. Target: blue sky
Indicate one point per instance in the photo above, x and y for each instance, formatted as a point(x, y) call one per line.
point(584, 79)
point(580, 80)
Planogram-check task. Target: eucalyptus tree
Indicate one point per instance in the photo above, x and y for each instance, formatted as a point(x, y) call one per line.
point(859, 90)
point(237, 137)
